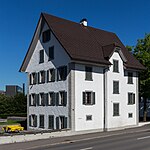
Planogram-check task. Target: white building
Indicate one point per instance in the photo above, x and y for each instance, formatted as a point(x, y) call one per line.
point(80, 78)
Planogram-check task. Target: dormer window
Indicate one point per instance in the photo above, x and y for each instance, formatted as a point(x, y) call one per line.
point(46, 36)
point(115, 66)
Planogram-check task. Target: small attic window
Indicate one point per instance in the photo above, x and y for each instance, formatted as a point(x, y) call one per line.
point(46, 36)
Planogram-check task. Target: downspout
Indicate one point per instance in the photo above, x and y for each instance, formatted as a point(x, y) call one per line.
point(105, 92)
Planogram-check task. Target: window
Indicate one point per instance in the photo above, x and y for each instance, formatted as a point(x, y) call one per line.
point(41, 77)
point(41, 56)
point(115, 87)
point(46, 36)
point(131, 98)
point(130, 115)
point(88, 117)
point(130, 78)
point(116, 109)
point(41, 121)
point(51, 53)
point(33, 120)
point(51, 122)
point(51, 75)
point(32, 100)
point(115, 66)
point(88, 73)
point(51, 98)
point(62, 73)
point(62, 98)
point(33, 78)
point(61, 122)
point(41, 99)
point(88, 98)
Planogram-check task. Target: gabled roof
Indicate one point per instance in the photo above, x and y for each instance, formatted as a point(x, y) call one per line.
point(85, 43)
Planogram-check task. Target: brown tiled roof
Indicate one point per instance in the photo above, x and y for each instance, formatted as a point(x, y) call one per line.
point(88, 43)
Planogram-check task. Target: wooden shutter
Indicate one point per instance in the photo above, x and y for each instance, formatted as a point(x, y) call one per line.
point(47, 75)
point(65, 98)
point(37, 99)
point(34, 101)
point(51, 53)
point(30, 120)
point(84, 98)
point(93, 97)
point(29, 100)
point(30, 79)
point(57, 99)
point(65, 122)
point(64, 72)
point(38, 74)
point(53, 99)
point(53, 75)
point(43, 81)
point(35, 121)
point(133, 95)
point(51, 122)
point(58, 74)
point(46, 99)
point(57, 122)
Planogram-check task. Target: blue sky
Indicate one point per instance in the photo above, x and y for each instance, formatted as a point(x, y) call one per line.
point(129, 19)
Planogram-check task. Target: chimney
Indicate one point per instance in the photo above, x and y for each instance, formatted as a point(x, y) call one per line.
point(84, 22)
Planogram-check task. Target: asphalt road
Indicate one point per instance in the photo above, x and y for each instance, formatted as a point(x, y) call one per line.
point(110, 141)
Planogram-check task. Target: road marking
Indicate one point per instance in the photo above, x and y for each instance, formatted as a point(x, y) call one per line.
point(87, 148)
point(142, 138)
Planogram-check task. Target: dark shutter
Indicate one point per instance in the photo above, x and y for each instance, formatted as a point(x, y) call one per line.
point(34, 100)
point(51, 122)
point(58, 74)
point(37, 99)
point(93, 98)
point(64, 73)
point(47, 75)
point(65, 99)
point(53, 99)
point(53, 75)
point(84, 98)
point(30, 120)
point(38, 74)
point(57, 122)
point(29, 100)
point(30, 79)
point(65, 122)
point(51, 53)
point(133, 98)
point(43, 81)
point(57, 99)
point(35, 121)
point(46, 99)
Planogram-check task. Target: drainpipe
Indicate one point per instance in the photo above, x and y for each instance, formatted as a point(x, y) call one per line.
point(105, 94)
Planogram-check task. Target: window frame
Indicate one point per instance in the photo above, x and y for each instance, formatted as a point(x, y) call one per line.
point(130, 77)
point(85, 98)
point(88, 73)
point(89, 117)
point(62, 73)
point(116, 112)
point(51, 51)
point(46, 36)
point(116, 90)
point(115, 65)
point(132, 100)
point(41, 56)
point(40, 123)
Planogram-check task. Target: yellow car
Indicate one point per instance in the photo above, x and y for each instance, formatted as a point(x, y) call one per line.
point(13, 128)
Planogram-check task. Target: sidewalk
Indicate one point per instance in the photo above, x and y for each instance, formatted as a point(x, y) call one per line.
point(71, 135)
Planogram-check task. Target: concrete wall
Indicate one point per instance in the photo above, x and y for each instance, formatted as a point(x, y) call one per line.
point(60, 59)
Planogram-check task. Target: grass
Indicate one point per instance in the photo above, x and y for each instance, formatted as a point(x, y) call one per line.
point(9, 122)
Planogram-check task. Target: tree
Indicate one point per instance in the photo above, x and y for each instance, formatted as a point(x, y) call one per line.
point(142, 53)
